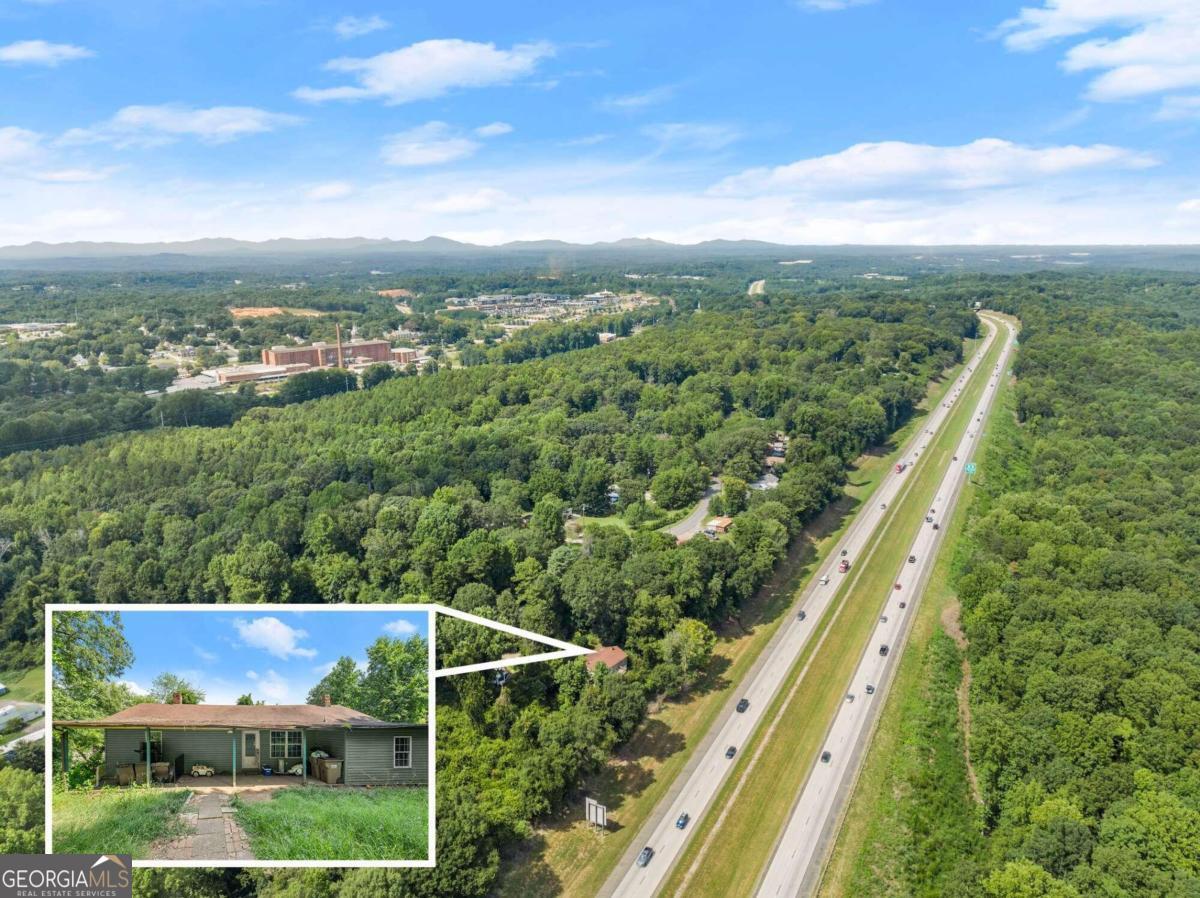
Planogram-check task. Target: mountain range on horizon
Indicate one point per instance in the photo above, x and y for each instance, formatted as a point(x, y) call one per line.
point(228, 246)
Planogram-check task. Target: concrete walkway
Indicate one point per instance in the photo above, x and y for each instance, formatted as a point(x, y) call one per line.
point(213, 833)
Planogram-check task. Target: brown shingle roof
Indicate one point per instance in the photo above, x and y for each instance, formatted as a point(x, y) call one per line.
point(150, 714)
point(610, 656)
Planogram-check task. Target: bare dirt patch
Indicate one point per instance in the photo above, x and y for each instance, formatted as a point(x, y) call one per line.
point(952, 624)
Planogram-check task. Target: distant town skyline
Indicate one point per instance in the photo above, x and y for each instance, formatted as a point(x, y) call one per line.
point(793, 121)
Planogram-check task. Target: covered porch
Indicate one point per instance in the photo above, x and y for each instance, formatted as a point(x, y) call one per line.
point(167, 755)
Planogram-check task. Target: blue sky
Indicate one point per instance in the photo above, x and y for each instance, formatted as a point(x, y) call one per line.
point(819, 121)
point(277, 656)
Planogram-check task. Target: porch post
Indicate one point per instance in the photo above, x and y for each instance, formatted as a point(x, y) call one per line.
point(147, 756)
point(304, 755)
point(66, 751)
point(234, 735)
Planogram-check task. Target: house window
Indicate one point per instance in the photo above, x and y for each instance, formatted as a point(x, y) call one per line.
point(285, 743)
point(402, 751)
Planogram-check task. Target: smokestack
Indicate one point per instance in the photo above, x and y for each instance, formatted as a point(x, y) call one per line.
point(325, 699)
point(338, 330)
point(177, 698)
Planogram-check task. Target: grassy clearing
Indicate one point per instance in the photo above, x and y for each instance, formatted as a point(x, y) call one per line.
point(566, 856)
point(879, 833)
point(115, 820)
point(27, 685)
point(736, 839)
point(334, 824)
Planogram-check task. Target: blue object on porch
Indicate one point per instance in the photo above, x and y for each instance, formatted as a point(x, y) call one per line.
point(267, 771)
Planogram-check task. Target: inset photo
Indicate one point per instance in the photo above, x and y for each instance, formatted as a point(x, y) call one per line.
point(243, 735)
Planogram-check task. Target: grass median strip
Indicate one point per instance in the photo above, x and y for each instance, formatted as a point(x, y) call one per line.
point(566, 856)
point(736, 839)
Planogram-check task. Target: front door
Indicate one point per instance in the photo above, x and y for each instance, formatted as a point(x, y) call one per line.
point(250, 748)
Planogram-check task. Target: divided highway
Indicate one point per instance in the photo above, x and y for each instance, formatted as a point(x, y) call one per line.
point(800, 854)
point(702, 778)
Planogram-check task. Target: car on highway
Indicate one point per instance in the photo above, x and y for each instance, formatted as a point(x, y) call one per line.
point(824, 581)
point(883, 505)
point(682, 821)
point(850, 696)
point(883, 619)
point(912, 559)
point(883, 650)
point(825, 756)
point(845, 552)
point(904, 604)
point(844, 566)
point(801, 614)
point(870, 689)
point(936, 527)
point(731, 751)
point(928, 519)
point(644, 856)
point(743, 705)
point(898, 586)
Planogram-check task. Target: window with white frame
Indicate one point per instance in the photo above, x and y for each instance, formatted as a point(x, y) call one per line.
point(286, 744)
point(402, 751)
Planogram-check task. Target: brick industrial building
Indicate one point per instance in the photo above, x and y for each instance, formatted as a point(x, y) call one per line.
point(329, 355)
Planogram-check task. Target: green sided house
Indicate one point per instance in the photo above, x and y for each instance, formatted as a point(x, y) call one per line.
point(247, 739)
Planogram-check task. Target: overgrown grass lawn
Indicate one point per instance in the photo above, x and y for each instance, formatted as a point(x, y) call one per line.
point(115, 821)
point(28, 685)
point(311, 823)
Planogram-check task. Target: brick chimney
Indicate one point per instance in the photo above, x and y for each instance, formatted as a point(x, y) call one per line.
point(177, 698)
point(325, 699)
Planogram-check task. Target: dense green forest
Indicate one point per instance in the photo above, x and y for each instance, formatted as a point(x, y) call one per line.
point(452, 488)
point(1079, 578)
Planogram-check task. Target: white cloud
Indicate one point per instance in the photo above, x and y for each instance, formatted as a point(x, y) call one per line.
point(275, 690)
point(1157, 48)
point(41, 53)
point(831, 5)
point(157, 125)
point(273, 636)
point(484, 199)
point(133, 687)
point(434, 143)
point(1175, 108)
point(587, 140)
point(74, 175)
point(204, 655)
point(1190, 205)
point(401, 627)
point(429, 69)
point(651, 97)
point(693, 135)
point(18, 145)
point(905, 167)
point(331, 190)
point(495, 129)
point(326, 668)
point(252, 674)
point(348, 27)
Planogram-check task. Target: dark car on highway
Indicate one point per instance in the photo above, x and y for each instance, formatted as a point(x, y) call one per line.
point(644, 857)
point(731, 751)
point(825, 756)
point(883, 650)
point(682, 821)
point(912, 559)
point(869, 690)
point(743, 705)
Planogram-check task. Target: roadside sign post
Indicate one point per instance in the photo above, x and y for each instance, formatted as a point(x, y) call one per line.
point(595, 813)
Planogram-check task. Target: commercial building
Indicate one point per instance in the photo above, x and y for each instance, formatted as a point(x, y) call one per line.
point(326, 355)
